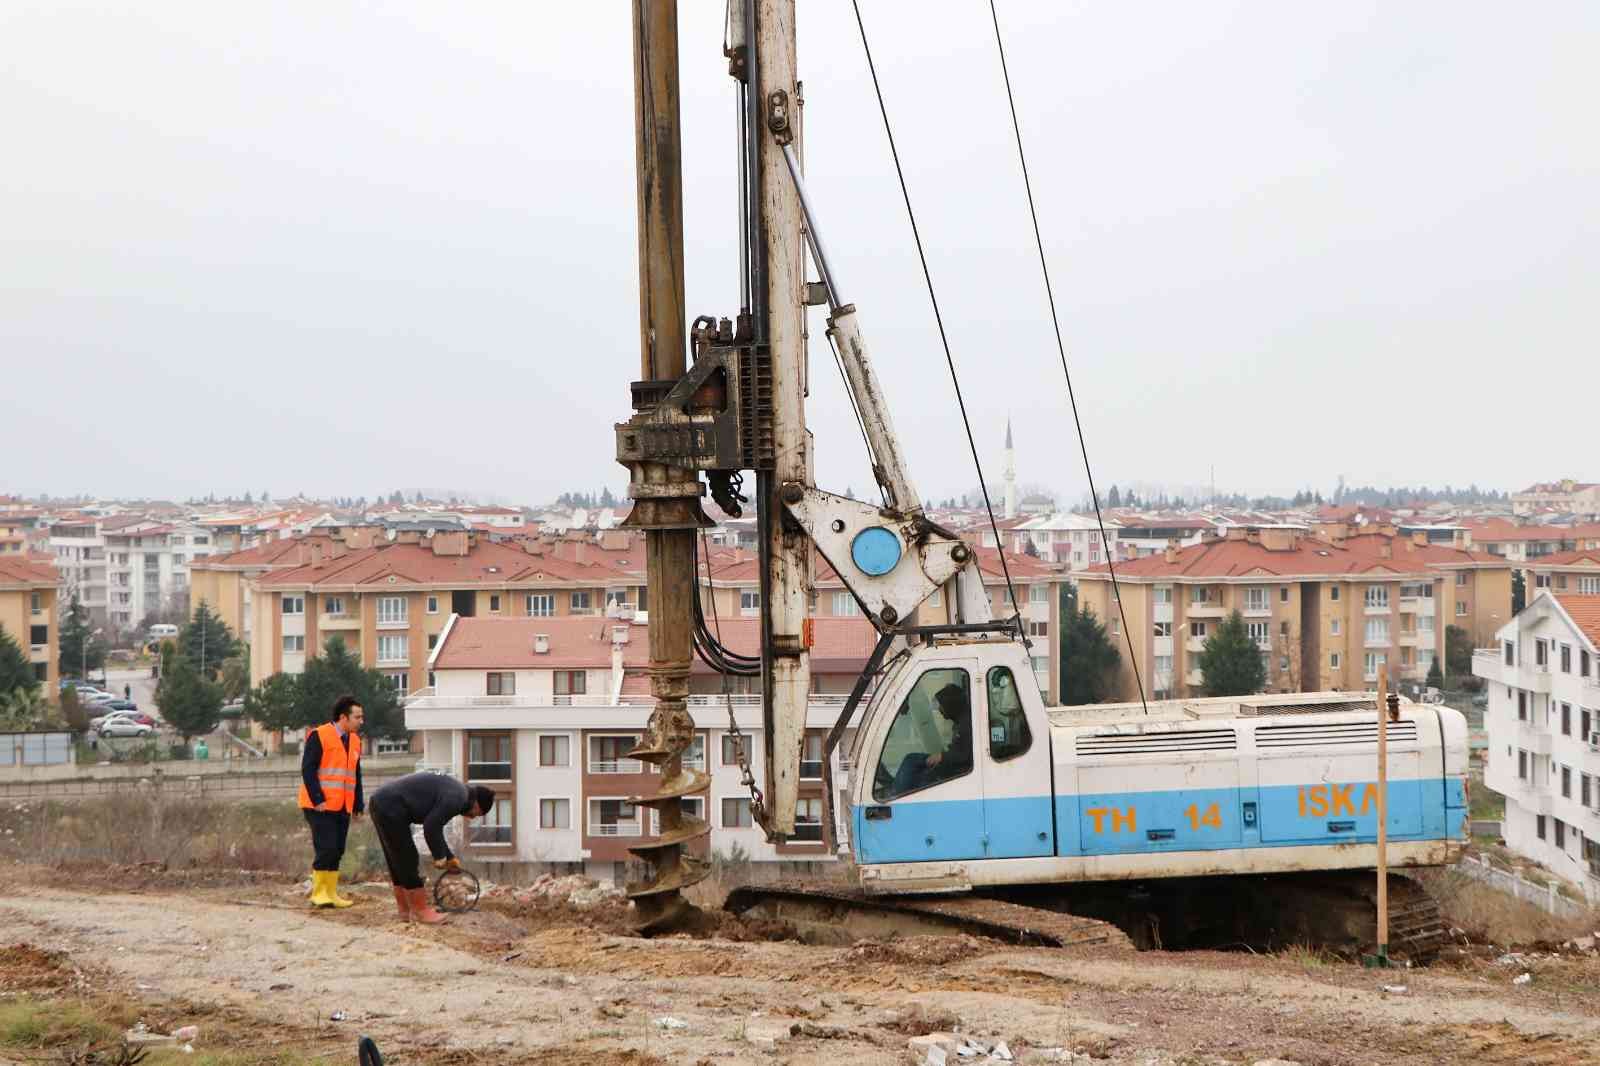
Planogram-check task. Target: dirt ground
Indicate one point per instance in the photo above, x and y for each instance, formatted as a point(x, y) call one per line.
point(552, 984)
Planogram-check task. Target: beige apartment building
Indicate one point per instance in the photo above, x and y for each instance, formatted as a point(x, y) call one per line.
point(1326, 614)
point(1571, 572)
point(225, 583)
point(28, 613)
point(388, 596)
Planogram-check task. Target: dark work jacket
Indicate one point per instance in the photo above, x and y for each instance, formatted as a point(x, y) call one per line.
point(428, 800)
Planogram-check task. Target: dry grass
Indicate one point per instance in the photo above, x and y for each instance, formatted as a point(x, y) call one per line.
point(171, 831)
point(1490, 916)
point(34, 1025)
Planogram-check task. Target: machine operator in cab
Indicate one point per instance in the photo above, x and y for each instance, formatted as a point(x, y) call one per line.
point(919, 770)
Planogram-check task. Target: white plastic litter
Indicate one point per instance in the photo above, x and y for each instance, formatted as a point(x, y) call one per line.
point(1525, 979)
point(1398, 990)
point(667, 1021)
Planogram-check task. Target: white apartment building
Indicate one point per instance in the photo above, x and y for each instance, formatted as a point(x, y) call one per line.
point(147, 567)
point(545, 710)
point(80, 557)
point(1064, 538)
point(1543, 722)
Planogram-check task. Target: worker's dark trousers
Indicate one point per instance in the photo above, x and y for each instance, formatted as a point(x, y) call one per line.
point(329, 830)
point(399, 849)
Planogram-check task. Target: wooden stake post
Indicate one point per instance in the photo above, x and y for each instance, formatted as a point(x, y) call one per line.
point(1383, 815)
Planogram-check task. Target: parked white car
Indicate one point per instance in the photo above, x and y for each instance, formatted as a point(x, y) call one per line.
point(124, 726)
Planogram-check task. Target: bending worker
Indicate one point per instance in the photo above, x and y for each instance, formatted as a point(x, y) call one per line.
point(428, 800)
point(330, 795)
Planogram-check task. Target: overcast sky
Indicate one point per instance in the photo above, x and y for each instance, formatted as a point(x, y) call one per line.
point(342, 248)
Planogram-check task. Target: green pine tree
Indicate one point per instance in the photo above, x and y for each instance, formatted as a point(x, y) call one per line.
point(206, 641)
point(16, 672)
point(1435, 675)
point(336, 673)
point(81, 649)
point(1519, 592)
point(274, 704)
point(191, 704)
point(1230, 662)
point(1089, 659)
point(1457, 651)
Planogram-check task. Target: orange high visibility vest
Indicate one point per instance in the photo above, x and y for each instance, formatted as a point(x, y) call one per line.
point(337, 774)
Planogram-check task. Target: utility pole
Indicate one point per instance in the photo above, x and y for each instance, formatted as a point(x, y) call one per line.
point(786, 580)
point(666, 496)
point(1387, 705)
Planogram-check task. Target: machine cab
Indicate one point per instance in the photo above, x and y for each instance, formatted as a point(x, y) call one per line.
point(952, 761)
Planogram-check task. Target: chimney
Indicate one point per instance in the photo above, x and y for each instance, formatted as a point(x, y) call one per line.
point(614, 540)
point(1419, 538)
point(450, 542)
point(1385, 548)
point(1236, 533)
point(1172, 550)
point(541, 644)
point(1280, 540)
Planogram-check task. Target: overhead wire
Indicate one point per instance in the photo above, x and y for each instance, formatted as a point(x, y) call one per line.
point(1055, 320)
point(944, 339)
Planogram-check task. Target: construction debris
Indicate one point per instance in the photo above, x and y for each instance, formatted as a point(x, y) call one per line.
point(1525, 979)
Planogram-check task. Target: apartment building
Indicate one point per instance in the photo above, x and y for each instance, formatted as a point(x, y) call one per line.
point(1529, 543)
point(733, 590)
point(1567, 495)
point(1543, 721)
point(225, 582)
point(148, 566)
point(1069, 540)
point(28, 611)
point(1561, 573)
point(79, 551)
point(1325, 614)
point(388, 593)
point(544, 711)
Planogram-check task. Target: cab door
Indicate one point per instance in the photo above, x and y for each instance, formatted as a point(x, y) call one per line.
point(1018, 822)
point(924, 800)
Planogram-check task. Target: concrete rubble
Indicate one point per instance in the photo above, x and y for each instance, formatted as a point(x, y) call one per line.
point(575, 889)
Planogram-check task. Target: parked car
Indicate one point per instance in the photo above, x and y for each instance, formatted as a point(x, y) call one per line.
point(124, 712)
point(125, 725)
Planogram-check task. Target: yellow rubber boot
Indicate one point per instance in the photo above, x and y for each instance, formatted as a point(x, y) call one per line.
point(321, 889)
point(333, 891)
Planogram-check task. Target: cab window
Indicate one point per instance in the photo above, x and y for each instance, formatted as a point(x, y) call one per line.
point(930, 739)
point(1009, 735)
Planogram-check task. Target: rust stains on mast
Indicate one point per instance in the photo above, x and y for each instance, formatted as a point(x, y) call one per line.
point(666, 496)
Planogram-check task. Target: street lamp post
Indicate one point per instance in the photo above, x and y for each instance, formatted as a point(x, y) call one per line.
point(83, 654)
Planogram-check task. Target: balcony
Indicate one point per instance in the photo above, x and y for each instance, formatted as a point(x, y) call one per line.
point(1411, 639)
point(1410, 604)
point(1537, 679)
point(614, 829)
point(1194, 679)
point(1489, 664)
point(1205, 609)
point(616, 766)
point(1376, 609)
point(1194, 645)
point(341, 621)
point(1533, 739)
point(1257, 610)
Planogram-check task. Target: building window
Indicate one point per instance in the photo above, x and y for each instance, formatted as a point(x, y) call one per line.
point(811, 757)
point(616, 598)
point(1197, 630)
point(845, 604)
point(1163, 629)
point(1283, 594)
point(38, 636)
point(1163, 667)
point(1522, 706)
point(392, 648)
point(1333, 660)
point(1333, 593)
point(1522, 767)
point(1510, 653)
point(1040, 594)
point(571, 682)
point(555, 749)
point(694, 756)
point(1461, 609)
point(749, 601)
point(1461, 579)
point(1583, 789)
point(488, 757)
point(1561, 834)
point(1583, 663)
point(333, 606)
point(580, 600)
point(433, 641)
point(294, 643)
point(555, 814)
point(391, 610)
point(1200, 595)
point(500, 683)
point(541, 604)
point(494, 603)
point(399, 681)
point(1162, 595)
point(1255, 599)
point(1538, 826)
point(1566, 719)
point(1541, 653)
point(1378, 597)
point(808, 819)
point(1038, 629)
point(1566, 782)
point(1259, 633)
point(433, 605)
point(294, 605)
point(495, 825)
point(736, 813)
point(1589, 586)
point(1333, 627)
point(730, 750)
point(1374, 661)
point(1585, 719)
point(607, 755)
point(1566, 658)
point(36, 602)
point(613, 818)
point(1378, 632)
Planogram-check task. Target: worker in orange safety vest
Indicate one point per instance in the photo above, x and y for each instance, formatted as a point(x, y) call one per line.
point(330, 795)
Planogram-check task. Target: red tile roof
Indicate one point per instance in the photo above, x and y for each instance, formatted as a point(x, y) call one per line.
point(18, 571)
point(842, 645)
point(1580, 557)
point(1498, 530)
point(1310, 557)
point(1585, 614)
point(273, 553)
point(486, 564)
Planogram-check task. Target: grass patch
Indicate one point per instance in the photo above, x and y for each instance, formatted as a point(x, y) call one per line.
point(32, 1025)
point(1491, 916)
